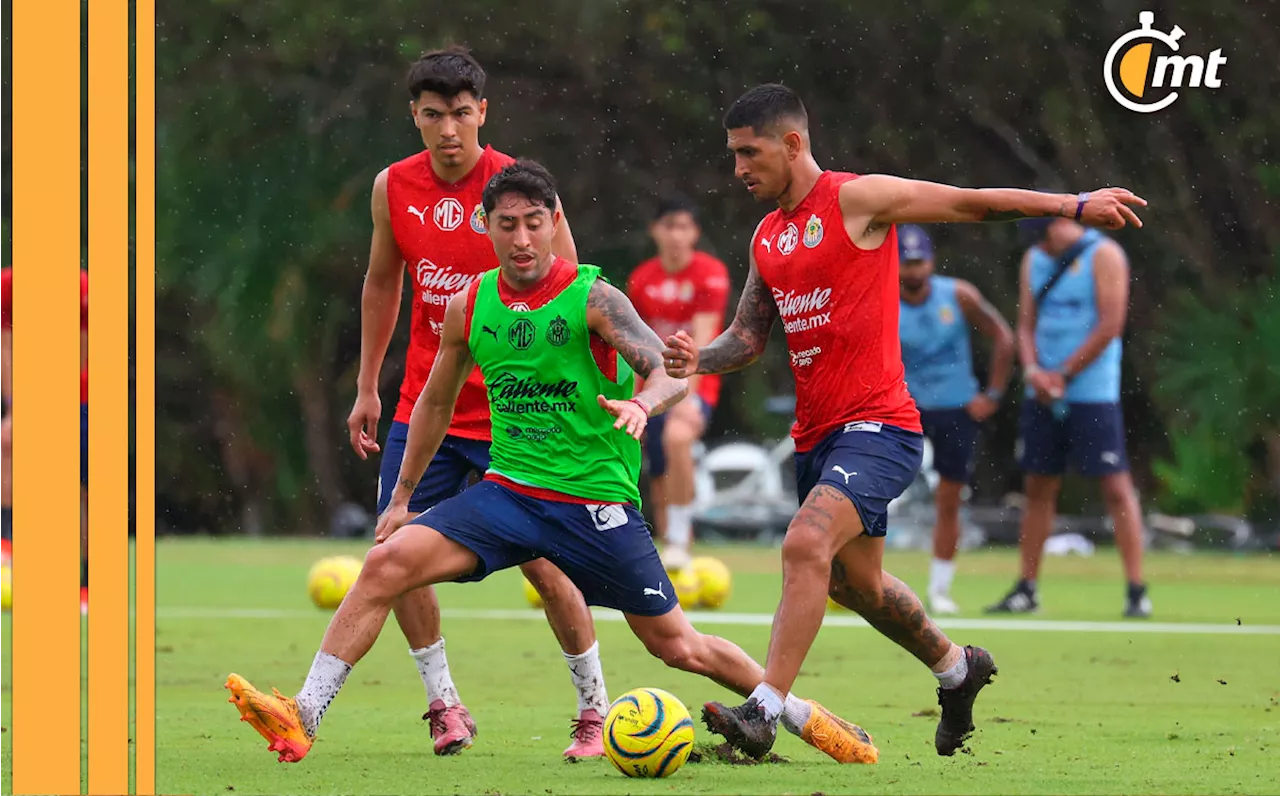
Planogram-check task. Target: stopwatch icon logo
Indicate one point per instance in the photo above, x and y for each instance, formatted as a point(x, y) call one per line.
point(1143, 61)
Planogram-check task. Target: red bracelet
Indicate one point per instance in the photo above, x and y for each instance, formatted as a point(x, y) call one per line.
point(641, 404)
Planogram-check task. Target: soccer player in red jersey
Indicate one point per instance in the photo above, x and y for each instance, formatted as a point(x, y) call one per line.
point(825, 262)
point(6, 421)
point(680, 288)
point(428, 217)
point(6, 425)
point(84, 441)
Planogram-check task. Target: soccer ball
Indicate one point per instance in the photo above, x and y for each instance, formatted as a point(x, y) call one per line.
point(688, 586)
point(531, 594)
point(330, 580)
point(648, 733)
point(715, 581)
point(6, 588)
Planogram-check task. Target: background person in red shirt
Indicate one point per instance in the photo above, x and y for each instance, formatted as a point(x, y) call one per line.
point(680, 288)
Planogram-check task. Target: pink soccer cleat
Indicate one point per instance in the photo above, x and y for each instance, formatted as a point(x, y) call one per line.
point(451, 727)
point(587, 732)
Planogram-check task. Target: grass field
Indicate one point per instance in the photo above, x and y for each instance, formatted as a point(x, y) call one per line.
point(1083, 704)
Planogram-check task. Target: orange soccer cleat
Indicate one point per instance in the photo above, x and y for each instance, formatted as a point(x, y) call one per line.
point(837, 738)
point(274, 716)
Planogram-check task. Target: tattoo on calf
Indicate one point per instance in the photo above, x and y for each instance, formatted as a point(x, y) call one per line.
point(898, 614)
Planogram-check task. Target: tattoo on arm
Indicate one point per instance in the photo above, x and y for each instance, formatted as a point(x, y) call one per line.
point(409, 484)
point(631, 337)
point(745, 339)
point(992, 214)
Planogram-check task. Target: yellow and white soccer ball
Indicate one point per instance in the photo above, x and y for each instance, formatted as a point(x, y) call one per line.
point(648, 733)
point(6, 588)
point(331, 578)
point(531, 594)
point(714, 581)
point(688, 586)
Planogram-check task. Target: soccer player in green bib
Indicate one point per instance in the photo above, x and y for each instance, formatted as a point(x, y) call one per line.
point(559, 348)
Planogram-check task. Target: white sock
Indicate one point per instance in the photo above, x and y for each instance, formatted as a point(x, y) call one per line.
point(328, 673)
point(941, 573)
point(434, 668)
point(953, 667)
point(588, 679)
point(770, 699)
point(795, 714)
point(680, 526)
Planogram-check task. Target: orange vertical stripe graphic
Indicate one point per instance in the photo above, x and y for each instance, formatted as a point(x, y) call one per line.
point(144, 382)
point(46, 407)
point(109, 396)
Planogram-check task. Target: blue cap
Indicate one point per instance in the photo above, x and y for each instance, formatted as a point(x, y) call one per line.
point(1033, 230)
point(914, 243)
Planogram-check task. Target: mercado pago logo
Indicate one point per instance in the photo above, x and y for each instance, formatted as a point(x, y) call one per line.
point(1145, 67)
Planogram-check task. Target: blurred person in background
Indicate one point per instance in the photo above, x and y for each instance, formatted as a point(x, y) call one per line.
point(680, 288)
point(1073, 301)
point(428, 217)
point(935, 317)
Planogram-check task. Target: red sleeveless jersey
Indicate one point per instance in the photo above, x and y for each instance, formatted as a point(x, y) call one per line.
point(440, 229)
point(839, 308)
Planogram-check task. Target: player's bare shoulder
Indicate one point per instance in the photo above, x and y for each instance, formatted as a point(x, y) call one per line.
point(380, 204)
point(859, 200)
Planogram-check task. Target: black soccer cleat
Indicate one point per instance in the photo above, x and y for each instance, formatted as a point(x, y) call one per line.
point(744, 727)
point(1020, 600)
point(956, 723)
point(1137, 604)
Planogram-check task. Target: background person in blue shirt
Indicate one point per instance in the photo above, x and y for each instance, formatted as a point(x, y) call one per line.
point(935, 316)
point(1069, 344)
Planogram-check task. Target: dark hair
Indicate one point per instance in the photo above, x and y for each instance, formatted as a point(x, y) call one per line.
point(525, 178)
point(764, 106)
point(675, 203)
point(447, 72)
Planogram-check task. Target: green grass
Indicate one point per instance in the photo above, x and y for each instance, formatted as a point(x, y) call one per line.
point(1071, 712)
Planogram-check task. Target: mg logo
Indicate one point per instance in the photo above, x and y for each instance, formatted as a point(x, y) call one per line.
point(448, 214)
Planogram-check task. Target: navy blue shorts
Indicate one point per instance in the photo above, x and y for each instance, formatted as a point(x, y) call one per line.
point(653, 437)
point(1090, 436)
point(447, 475)
point(606, 550)
point(953, 434)
point(871, 463)
point(84, 444)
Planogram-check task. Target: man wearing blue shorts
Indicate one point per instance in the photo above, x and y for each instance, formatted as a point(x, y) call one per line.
point(428, 221)
point(824, 265)
point(559, 349)
point(935, 316)
point(1073, 299)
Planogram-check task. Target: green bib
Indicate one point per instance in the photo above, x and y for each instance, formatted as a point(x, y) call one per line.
point(549, 431)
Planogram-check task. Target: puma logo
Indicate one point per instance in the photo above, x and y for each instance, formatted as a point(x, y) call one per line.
point(493, 332)
point(421, 214)
point(654, 592)
point(767, 242)
point(847, 475)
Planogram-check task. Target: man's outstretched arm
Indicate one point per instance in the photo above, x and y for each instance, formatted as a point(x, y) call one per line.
point(878, 200)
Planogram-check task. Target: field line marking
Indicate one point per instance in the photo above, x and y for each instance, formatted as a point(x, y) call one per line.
point(724, 618)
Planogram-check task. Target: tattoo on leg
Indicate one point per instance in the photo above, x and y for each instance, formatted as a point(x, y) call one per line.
point(897, 613)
